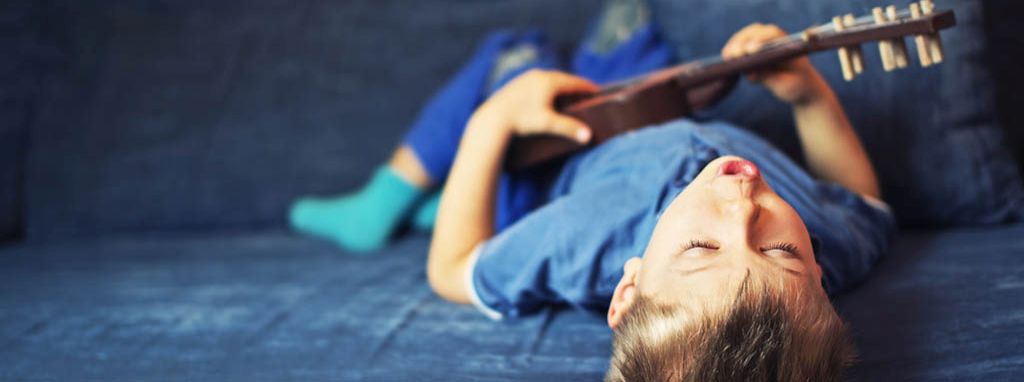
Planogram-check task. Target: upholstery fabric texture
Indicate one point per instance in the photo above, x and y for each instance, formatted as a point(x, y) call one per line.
point(269, 307)
point(200, 115)
point(19, 65)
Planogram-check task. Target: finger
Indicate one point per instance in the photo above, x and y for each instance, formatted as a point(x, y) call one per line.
point(737, 45)
point(568, 127)
point(772, 31)
point(729, 49)
point(761, 34)
point(753, 45)
point(567, 83)
point(734, 47)
point(738, 48)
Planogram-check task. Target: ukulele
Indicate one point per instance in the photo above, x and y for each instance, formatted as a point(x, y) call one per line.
point(677, 91)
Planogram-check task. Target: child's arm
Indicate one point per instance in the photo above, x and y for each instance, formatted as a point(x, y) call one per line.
point(466, 215)
point(830, 145)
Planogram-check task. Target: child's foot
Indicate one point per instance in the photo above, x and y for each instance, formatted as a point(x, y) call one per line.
point(362, 221)
point(426, 212)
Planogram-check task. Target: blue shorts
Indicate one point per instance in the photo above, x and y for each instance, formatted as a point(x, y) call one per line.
point(503, 55)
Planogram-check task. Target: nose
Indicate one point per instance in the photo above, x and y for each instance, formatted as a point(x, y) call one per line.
point(739, 217)
point(743, 209)
point(736, 187)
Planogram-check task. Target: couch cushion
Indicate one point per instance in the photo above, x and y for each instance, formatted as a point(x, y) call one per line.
point(270, 307)
point(262, 307)
point(942, 306)
point(1005, 48)
point(19, 66)
point(197, 114)
point(933, 134)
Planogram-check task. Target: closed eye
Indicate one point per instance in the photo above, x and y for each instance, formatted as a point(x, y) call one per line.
point(788, 249)
point(697, 248)
point(700, 244)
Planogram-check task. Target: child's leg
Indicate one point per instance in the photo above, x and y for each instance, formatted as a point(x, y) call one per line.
point(623, 42)
point(426, 212)
point(405, 163)
point(526, 51)
point(360, 221)
point(363, 221)
point(408, 166)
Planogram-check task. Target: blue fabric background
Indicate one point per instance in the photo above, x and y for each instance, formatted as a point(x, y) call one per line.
point(1005, 47)
point(933, 134)
point(194, 115)
point(18, 75)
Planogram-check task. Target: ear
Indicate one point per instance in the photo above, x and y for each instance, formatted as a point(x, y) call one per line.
point(625, 292)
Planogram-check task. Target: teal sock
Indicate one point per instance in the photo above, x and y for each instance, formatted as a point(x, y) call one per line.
point(361, 221)
point(426, 212)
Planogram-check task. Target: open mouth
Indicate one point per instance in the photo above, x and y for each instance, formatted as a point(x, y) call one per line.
point(739, 167)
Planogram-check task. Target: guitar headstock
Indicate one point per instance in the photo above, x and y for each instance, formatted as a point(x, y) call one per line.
point(888, 26)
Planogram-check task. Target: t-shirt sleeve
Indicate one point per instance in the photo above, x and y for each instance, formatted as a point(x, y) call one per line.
point(566, 252)
point(853, 234)
point(510, 273)
point(474, 296)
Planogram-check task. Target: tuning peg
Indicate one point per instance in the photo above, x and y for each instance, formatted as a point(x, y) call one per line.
point(932, 39)
point(856, 54)
point(884, 46)
point(922, 45)
point(899, 47)
point(844, 53)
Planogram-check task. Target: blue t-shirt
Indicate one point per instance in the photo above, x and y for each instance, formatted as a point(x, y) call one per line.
point(603, 207)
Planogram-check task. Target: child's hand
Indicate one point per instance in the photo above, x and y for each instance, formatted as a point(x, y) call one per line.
point(795, 82)
point(525, 106)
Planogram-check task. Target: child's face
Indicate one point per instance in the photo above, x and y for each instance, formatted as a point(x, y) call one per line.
point(727, 224)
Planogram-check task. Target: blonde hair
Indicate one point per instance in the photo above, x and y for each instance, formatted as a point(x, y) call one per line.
point(762, 336)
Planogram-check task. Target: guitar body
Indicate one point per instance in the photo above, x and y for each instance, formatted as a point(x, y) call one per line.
point(619, 109)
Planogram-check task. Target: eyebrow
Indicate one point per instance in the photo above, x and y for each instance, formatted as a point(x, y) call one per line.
point(695, 270)
point(791, 271)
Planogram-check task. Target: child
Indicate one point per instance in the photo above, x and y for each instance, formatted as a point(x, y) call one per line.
point(711, 251)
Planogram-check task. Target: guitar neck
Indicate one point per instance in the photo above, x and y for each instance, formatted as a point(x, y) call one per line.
point(820, 38)
point(679, 90)
point(716, 67)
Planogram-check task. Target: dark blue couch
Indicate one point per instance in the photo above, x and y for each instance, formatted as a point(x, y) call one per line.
point(148, 151)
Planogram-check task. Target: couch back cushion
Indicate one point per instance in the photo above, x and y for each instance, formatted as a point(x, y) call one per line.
point(933, 134)
point(19, 69)
point(198, 115)
point(12, 112)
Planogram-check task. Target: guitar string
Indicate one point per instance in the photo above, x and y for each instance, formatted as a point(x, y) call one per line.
point(705, 62)
point(862, 21)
